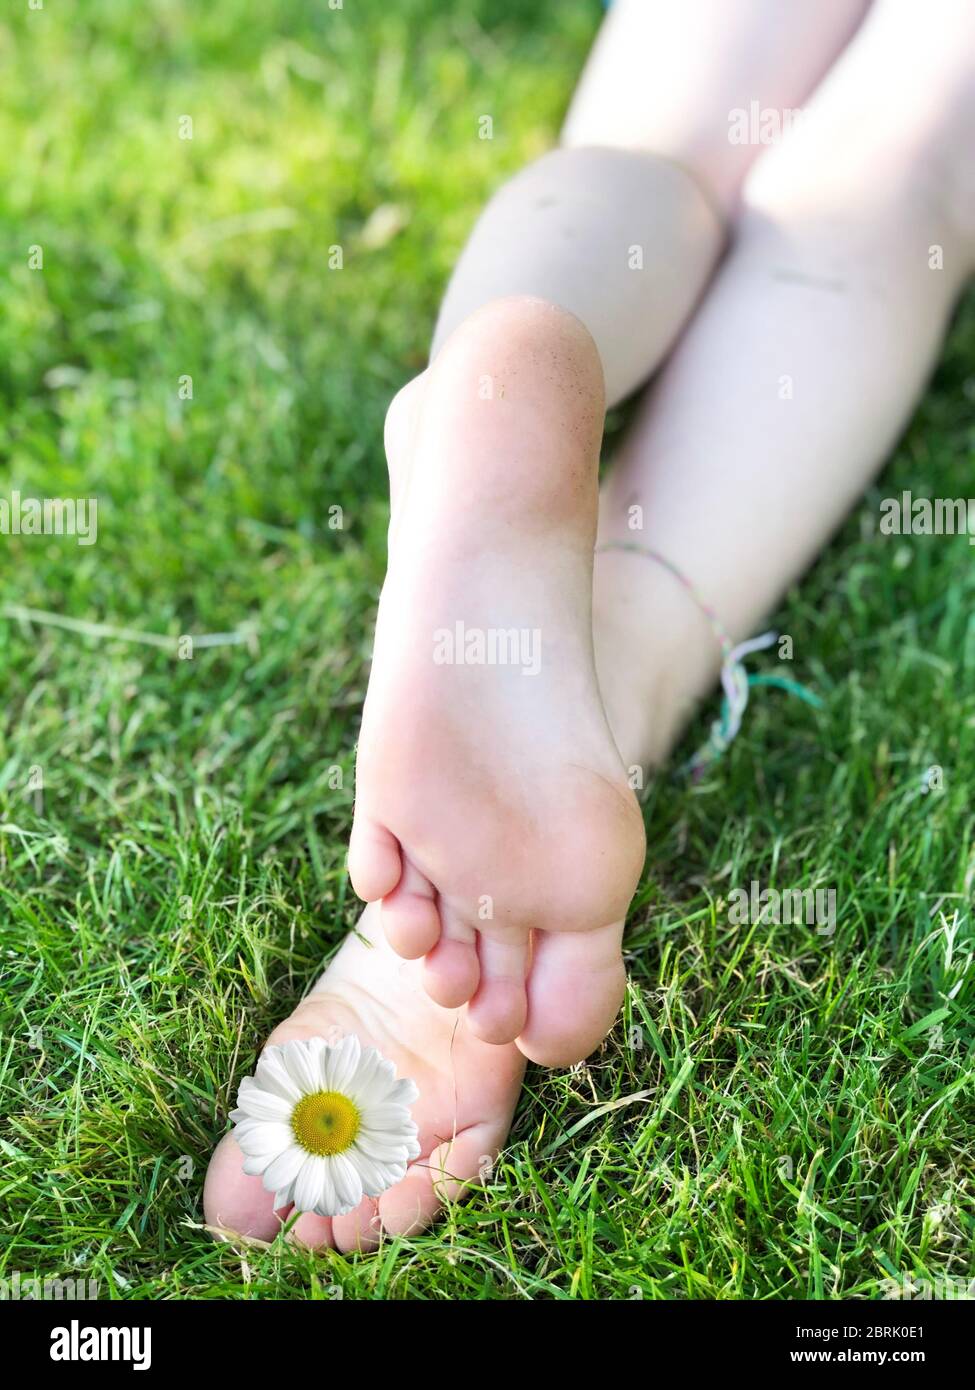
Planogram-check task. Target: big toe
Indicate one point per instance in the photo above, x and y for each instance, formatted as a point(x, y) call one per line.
point(235, 1204)
point(375, 861)
point(575, 989)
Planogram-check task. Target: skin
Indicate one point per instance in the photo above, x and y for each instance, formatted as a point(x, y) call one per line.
point(535, 850)
point(478, 781)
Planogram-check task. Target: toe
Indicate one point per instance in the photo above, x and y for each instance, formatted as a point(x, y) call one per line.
point(312, 1231)
point(235, 1204)
point(575, 988)
point(412, 1204)
point(375, 864)
point(359, 1229)
point(410, 917)
point(451, 970)
point(498, 1010)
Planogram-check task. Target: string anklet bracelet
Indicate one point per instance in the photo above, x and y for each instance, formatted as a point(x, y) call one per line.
point(735, 680)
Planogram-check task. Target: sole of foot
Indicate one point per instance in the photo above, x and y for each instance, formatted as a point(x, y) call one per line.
point(493, 819)
point(468, 1092)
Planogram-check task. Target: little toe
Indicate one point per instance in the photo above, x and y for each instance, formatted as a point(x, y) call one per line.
point(575, 989)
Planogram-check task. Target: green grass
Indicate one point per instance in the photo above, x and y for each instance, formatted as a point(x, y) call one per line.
point(786, 1119)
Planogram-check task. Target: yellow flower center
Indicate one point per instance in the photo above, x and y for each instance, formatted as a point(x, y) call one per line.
point(325, 1123)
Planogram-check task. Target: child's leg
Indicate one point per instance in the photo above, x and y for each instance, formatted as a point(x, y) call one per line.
point(493, 817)
point(468, 1087)
point(623, 225)
point(802, 366)
point(680, 76)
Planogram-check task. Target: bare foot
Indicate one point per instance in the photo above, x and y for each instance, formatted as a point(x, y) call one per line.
point(468, 1091)
point(493, 816)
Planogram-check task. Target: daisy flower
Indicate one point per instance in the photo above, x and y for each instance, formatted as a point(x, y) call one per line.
point(323, 1124)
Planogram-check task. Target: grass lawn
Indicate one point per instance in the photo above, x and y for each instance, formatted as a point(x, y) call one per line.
point(780, 1114)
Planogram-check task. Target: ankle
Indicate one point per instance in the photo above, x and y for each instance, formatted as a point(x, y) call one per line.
point(656, 655)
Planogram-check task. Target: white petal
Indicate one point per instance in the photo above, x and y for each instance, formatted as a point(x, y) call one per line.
point(343, 1062)
point(368, 1084)
point(380, 1149)
point(254, 1164)
point(348, 1184)
point(374, 1176)
point(372, 1094)
point(387, 1117)
point(386, 1073)
point(405, 1092)
point(397, 1134)
point(308, 1185)
point(284, 1168)
point(392, 1174)
point(260, 1104)
point(272, 1075)
point(258, 1137)
point(284, 1198)
point(329, 1205)
point(304, 1063)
